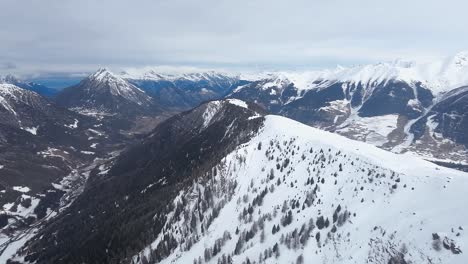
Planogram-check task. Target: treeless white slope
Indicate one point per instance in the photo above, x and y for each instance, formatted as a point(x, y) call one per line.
point(295, 193)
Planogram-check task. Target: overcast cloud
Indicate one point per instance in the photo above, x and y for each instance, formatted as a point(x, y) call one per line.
point(44, 36)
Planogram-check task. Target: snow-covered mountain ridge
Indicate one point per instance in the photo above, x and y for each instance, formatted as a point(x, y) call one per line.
point(11, 92)
point(46, 154)
point(223, 183)
point(117, 86)
point(298, 194)
point(439, 76)
point(386, 104)
point(20, 106)
point(182, 88)
point(35, 87)
point(174, 73)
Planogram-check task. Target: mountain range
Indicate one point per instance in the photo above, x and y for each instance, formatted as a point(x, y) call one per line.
point(226, 183)
point(386, 104)
point(146, 166)
point(31, 86)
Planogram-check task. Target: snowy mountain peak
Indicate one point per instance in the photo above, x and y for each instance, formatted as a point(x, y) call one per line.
point(6, 86)
point(103, 74)
point(116, 85)
point(105, 92)
point(176, 74)
point(31, 86)
point(212, 109)
point(11, 89)
point(11, 96)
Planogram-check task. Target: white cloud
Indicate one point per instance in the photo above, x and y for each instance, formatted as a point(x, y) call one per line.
point(80, 35)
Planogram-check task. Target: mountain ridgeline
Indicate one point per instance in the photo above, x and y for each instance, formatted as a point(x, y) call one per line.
point(136, 194)
point(225, 183)
point(184, 91)
point(147, 167)
point(31, 86)
point(402, 107)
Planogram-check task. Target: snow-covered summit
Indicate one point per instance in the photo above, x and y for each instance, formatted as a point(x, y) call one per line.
point(7, 92)
point(175, 73)
point(102, 74)
point(104, 79)
point(105, 76)
point(27, 109)
point(7, 88)
point(31, 86)
point(106, 93)
point(13, 92)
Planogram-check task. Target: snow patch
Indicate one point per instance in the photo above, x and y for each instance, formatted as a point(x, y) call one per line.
point(373, 130)
point(211, 109)
point(32, 130)
point(73, 125)
point(238, 102)
point(22, 189)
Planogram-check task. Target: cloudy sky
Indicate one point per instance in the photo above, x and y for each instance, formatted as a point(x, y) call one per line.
point(73, 36)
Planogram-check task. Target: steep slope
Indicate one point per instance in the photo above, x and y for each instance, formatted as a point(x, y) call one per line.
point(33, 133)
point(182, 90)
point(141, 184)
point(45, 150)
point(104, 93)
point(445, 125)
point(24, 109)
point(309, 196)
point(224, 184)
point(364, 91)
point(31, 86)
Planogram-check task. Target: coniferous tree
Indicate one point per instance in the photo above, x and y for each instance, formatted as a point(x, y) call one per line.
point(300, 259)
point(320, 222)
point(276, 250)
point(287, 219)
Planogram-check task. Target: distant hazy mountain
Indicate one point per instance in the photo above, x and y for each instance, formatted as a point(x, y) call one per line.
point(31, 86)
point(183, 90)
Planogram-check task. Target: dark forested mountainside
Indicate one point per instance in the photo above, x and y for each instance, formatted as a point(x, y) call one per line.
point(130, 202)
